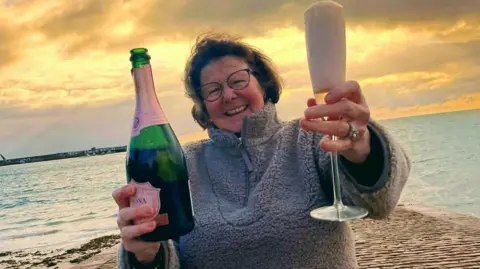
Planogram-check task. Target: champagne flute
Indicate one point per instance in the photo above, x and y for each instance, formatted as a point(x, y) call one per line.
point(326, 53)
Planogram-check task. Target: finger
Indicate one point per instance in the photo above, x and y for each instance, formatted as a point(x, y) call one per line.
point(344, 108)
point(338, 128)
point(311, 102)
point(128, 214)
point(122, 195)
point(133, 231)
point(136, 246)
point(339, 145)
point(350, 90)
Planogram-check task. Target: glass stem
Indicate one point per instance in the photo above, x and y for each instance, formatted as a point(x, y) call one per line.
point(337, 196)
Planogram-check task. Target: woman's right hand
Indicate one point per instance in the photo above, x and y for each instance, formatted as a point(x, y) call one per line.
point(145, 252)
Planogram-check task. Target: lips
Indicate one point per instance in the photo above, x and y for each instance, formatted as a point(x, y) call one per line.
point(236, 111)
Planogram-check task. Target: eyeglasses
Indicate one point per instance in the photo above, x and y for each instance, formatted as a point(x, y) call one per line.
point(237, 80)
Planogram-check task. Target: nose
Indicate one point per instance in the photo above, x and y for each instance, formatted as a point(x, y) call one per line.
point(229, 93)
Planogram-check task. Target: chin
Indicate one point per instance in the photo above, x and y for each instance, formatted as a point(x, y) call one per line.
point(234, 128)
point(235, 124)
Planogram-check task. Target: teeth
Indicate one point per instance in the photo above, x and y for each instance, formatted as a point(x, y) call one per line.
point(236, 110)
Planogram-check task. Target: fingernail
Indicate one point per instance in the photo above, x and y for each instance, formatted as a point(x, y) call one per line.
point(129, 189)
point(148, 210)
point(328, 97)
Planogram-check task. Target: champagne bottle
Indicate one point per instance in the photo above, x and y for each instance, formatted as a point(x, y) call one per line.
point(155, 162)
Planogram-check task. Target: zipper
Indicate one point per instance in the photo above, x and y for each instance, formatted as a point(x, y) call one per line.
point(247, 161)
point(245, 156)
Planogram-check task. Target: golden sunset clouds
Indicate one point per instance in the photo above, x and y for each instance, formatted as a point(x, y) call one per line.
point(64, 61)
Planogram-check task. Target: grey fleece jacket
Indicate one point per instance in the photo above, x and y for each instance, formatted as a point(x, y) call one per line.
point(252, 198)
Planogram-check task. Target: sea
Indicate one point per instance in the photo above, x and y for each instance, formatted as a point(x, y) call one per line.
point(64, 203)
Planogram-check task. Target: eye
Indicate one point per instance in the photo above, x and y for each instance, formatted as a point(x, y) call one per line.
point(237, 81)
point(209, 89)
point(213, 91)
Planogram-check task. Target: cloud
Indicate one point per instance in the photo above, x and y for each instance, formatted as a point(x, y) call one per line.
point(418, 58)
point(410, 12)
point(396, 68)
point(390, 91)
point(118, 25)
point(251, 17)
point(460, 103)
point(77, 128)
point(9, 44)
point(393, 67)
point(65, 68)
point(91, 24)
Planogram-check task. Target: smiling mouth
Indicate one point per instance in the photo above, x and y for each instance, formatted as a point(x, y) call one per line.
point(236, 111)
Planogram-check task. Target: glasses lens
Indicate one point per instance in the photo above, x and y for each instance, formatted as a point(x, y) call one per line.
point(211, 91)
point(239, 80)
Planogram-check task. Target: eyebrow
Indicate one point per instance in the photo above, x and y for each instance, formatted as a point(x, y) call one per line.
point(212, 82)
point(229, 65)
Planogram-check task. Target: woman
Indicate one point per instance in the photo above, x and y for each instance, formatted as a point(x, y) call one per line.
point(256, 179)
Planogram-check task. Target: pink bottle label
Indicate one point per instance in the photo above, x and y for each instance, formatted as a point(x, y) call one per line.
point(146, 194)
point(148, 111)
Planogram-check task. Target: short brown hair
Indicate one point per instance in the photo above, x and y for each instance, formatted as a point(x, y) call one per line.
point(210, 47)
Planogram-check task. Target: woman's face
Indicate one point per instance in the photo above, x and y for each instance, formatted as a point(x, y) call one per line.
point(237, 92)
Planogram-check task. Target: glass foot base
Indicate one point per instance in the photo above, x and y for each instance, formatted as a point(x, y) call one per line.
point(339, 213)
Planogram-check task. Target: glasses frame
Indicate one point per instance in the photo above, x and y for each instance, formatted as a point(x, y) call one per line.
point(222, 88)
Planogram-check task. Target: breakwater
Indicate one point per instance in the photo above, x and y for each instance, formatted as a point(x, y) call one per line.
point(64, 155)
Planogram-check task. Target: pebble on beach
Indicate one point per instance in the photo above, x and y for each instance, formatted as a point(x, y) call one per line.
point(51, 259)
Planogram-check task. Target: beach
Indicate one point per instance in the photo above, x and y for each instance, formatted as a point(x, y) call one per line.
point(59, 258)
point(419, 237)
point(413, 236)
point(61, 213)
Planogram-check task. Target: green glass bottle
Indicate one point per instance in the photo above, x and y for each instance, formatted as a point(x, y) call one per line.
point(155, 163)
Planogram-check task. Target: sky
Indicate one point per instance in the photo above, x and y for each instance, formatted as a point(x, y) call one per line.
point(65, 79)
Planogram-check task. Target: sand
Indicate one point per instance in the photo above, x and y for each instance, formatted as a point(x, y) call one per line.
point(413, 236)
point(58, 259)
point(419, 237)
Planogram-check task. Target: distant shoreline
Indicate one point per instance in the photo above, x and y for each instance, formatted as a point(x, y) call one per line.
point(183, 139)
point(64, 155)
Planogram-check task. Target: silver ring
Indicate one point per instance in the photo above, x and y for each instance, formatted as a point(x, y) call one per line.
point(353, 132)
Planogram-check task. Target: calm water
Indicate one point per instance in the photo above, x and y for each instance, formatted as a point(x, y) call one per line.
point(65, 203)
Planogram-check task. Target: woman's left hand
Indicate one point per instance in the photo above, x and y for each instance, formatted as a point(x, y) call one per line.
point(343, 105)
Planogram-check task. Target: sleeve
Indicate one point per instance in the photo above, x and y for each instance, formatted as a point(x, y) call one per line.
point(166, 258)
point(377, 183)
